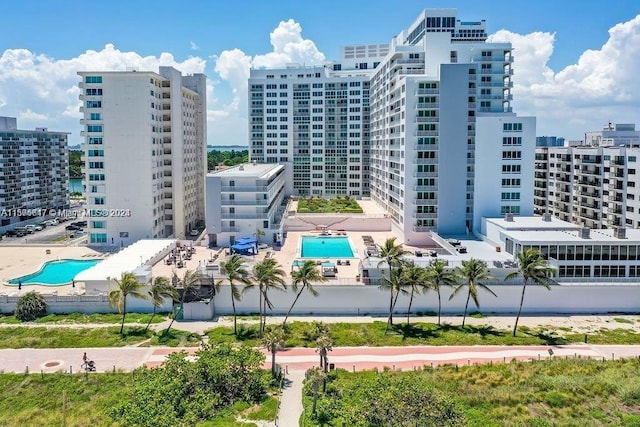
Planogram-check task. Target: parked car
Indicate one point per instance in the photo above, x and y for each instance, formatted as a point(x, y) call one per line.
point(15, 233)
point(51, 222)
point(72, 227)
point(33, 228)
point(76, 234)
point(21, 231)
point(43, 224)
point(62, 219)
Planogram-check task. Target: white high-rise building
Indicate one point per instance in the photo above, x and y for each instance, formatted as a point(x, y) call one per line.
point(594, 186)
point(34, 173)
point(423, 125)
point(145, 154)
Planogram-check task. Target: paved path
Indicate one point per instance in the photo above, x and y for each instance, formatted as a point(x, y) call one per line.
point(300, 359)
point(291, 400)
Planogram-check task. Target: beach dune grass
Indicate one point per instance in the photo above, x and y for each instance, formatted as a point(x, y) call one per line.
point(303, 334)
point(573, 392)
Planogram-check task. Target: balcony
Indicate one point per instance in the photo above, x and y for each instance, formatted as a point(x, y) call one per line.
point(252, 189)
point(230, 229)
point(427, 119)
point(428, 105)
point(420, 229)
point(244, 202)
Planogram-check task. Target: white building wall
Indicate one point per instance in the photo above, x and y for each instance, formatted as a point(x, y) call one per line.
point(489, 162)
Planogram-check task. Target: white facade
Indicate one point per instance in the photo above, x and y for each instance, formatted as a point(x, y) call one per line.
point(597, 187)
point(578, 254)
point(613, 134)
point(403, 123)
point(34, 173)
point(244, 199)
point(145, 154)
point(316, 119)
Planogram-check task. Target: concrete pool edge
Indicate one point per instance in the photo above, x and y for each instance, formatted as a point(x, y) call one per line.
point(7, 282)
point(352, 247)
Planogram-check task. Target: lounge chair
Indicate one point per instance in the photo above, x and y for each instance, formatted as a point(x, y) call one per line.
point(339, 262)
point(347, 262)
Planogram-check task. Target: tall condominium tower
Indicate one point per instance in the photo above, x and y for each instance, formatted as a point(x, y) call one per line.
point(145, 154)
point(439, 144)
point(34, 172)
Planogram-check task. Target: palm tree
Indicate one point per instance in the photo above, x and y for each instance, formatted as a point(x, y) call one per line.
point(236, 272)
point(306, 275)
point(471, 272)
point(189, 281)
point(438, 275)
point(414, 277)
point(324, 344)
point(315, 376)
point(127, 285)
point(273, 341)
point(532, 267)
point(159, 290)
point(391, 255)
point(267, 274)
point(396, 284)
point(259, 232)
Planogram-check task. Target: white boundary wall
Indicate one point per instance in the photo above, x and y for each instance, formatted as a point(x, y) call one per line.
point(361, 300)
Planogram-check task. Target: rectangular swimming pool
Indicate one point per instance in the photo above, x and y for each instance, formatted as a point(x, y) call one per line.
point(325, 247)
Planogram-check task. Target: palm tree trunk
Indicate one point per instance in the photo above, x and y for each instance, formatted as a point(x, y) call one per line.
point(326, 369)
point(152, 316)
point(235, 325)
point(464, 318)
point(273, 362)
point(515, 327)
point(315, 400)
point(260, 311)
point(124, 313)
point(264, 313)
point(292, 305)
point(439, 305)
point(410, 302)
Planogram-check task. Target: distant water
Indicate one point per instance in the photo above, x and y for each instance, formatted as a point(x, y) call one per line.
point(75, 185)
point(227, 147)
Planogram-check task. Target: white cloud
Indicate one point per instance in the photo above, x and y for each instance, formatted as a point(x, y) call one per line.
point(193, 45)
point(29, 80)
point(33, 116)
point(233, 66)
point(601, 87)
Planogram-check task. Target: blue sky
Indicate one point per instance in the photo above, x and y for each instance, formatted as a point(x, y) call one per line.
point(52, 36)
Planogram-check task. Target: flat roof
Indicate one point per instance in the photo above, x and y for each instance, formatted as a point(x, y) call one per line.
point(127, 260)
point(571, 236)
point(533, 223)
point(249, 170)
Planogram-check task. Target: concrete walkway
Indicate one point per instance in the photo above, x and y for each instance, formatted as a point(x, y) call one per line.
point(291, 400)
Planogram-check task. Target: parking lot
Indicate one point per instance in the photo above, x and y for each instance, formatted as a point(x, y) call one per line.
point(50, 234)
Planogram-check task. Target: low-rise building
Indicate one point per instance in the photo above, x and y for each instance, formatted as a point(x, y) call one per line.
point(246, 200)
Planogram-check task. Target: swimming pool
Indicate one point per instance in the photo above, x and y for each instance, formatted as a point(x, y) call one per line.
point(55, 273)
point(325, 247)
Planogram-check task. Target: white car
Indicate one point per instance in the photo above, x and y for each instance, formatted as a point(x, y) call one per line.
point(32, 228)
point(51, 222)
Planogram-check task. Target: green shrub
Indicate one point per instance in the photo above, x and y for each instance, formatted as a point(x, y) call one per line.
point(30, 306)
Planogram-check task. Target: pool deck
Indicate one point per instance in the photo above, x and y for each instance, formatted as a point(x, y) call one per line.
point(22, 260)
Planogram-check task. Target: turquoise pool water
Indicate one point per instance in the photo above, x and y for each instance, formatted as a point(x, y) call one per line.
point(326, 247)
point(55, 273)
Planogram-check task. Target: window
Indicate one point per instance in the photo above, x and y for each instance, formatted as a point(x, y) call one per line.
point(94, 128)
point(512, 127)
point(93, 92)
point(94, 116)
point(94, 104)
point(98, 238)
point(93, 79)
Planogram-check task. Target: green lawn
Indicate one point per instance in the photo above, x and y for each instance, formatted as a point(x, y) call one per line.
point(336, 205)
point(115, 318)
point(547, 393)
point(41, 337)
point(302, 334)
